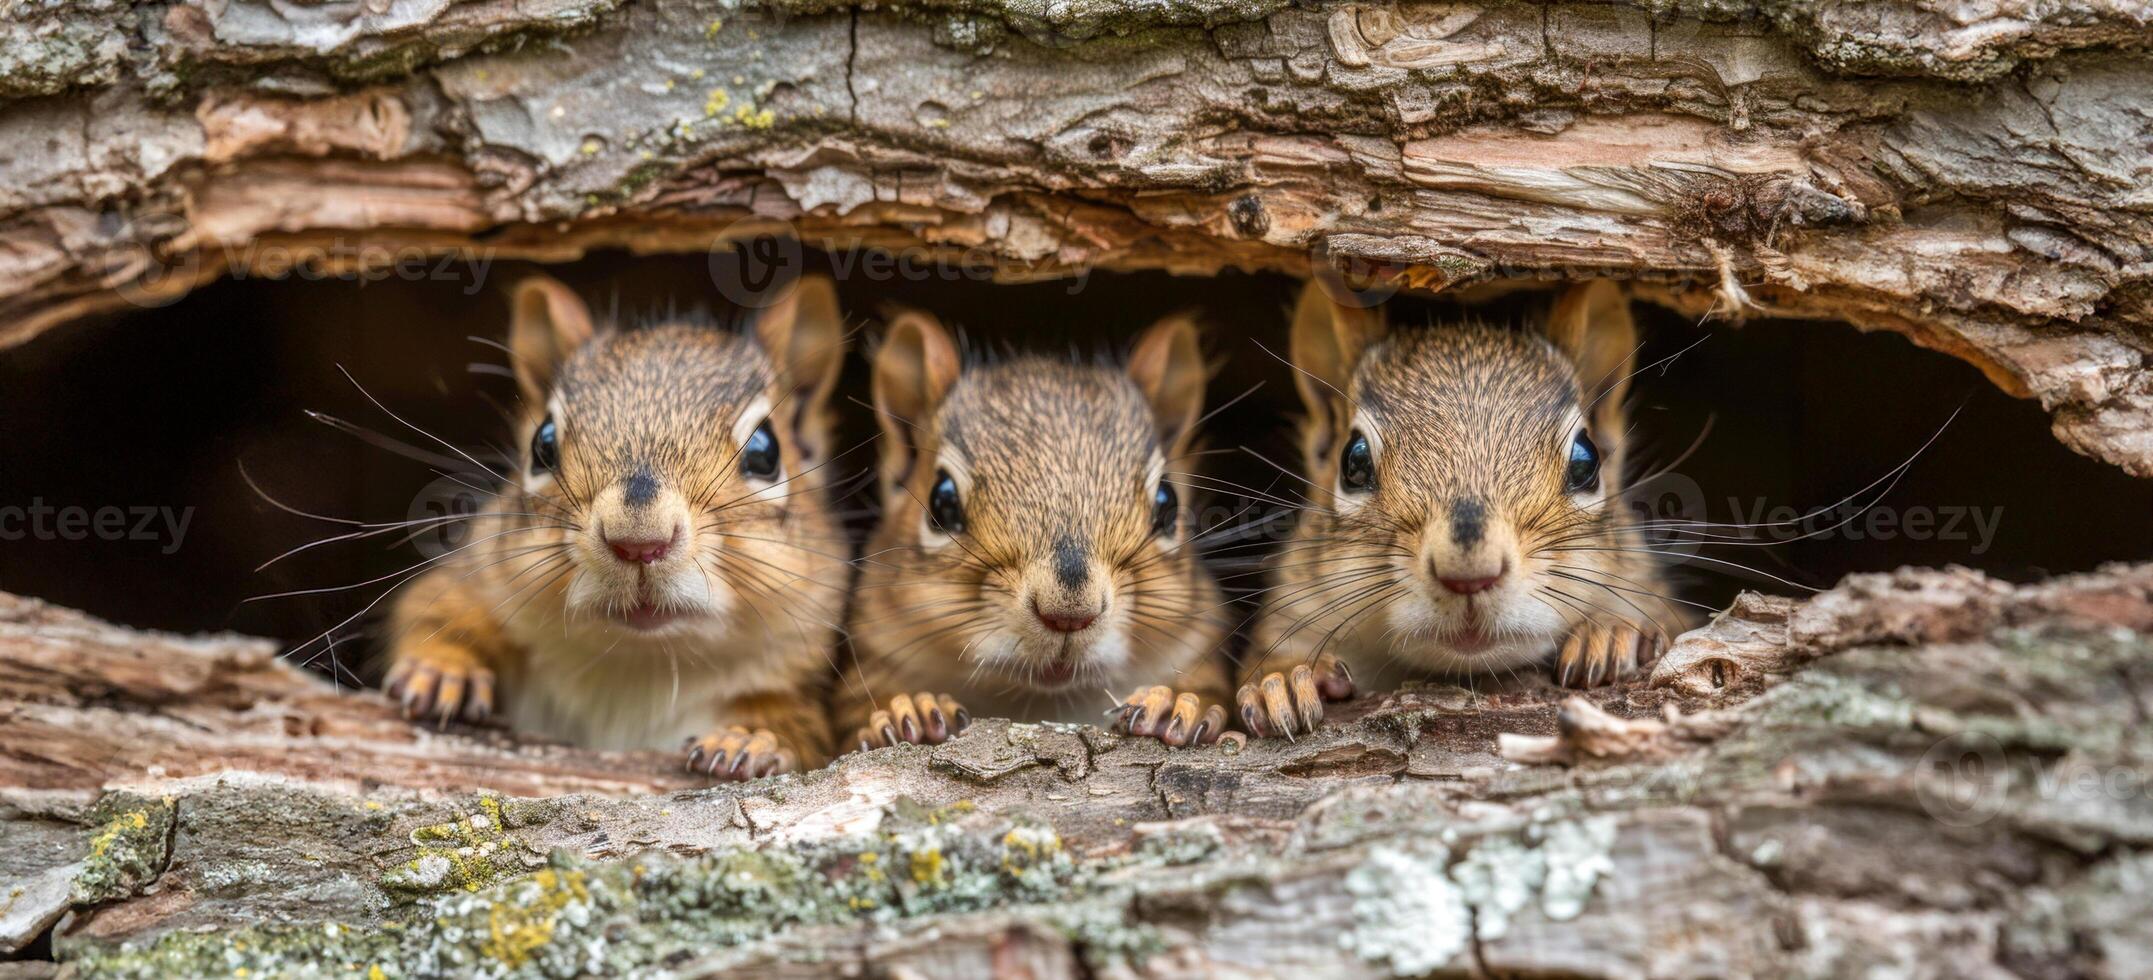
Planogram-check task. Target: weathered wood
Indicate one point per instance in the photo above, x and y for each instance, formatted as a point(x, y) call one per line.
point(1811, 819)
point(1970, 176)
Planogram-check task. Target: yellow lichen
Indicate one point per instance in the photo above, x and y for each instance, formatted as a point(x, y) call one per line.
point(747, 116)
point(518, 929)
point(927, 867)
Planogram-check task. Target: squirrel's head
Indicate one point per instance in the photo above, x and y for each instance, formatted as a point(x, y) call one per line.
point(1035, 502)
point(669, 457)
point(1465, 473)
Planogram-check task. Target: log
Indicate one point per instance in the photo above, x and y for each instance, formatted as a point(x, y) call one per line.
point(1921, 773)
point(1970, 176)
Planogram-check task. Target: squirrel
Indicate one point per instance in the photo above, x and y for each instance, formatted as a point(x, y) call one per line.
point(1034, 545)
point(1463, 514)
point(664, 567)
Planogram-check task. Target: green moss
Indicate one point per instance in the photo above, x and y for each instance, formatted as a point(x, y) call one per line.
point(128, 849)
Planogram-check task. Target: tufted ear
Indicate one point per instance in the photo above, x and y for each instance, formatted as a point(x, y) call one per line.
point(1328, 341)
point(804, 335)
point(1591, 325)
point(547, 322)
point(914, 369)
point(1168, 365)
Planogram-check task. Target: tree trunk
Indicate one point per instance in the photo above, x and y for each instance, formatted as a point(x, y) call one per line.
point(1924, 774)
point(1971, 176)
point(1914, 774)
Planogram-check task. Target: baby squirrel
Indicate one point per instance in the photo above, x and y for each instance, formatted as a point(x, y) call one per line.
point(664, 566)
point(1463, 515)
point(1034, 545)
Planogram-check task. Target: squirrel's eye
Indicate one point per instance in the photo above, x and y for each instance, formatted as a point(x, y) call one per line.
point(1165, 509)
point(1582, 475)
point(758, 456)
point(1357, 465)
point(545, 447)
point(943, 507)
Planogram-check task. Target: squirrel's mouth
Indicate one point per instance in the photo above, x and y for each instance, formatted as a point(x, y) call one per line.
point(648, 617)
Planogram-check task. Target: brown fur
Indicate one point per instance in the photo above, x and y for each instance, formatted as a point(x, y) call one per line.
point(1471, 428)
point(1052, 459)
point(651, 423)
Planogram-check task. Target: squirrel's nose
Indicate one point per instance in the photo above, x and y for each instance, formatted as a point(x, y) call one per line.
point(641, 551)
point(1468, 586)
point(1467, 582)
point(1064, 620)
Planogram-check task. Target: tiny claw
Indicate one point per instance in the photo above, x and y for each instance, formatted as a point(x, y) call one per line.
point(889, 734)
point(910, 729)
point(964, 719)
point(1173, 732)
point(1203, 728)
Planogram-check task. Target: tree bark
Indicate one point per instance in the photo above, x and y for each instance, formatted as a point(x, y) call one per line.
point(1923, 773)
point(1972, 176)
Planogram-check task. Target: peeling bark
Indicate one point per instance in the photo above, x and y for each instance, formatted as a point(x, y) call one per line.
point(225, 812)
point(1973, 177)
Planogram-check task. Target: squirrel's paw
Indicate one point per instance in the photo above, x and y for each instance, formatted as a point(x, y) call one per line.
point(441, 681)
point(1292, 704)
point(1176, 719)
point(1595, 654)
point(737, 754)
point(921, 719)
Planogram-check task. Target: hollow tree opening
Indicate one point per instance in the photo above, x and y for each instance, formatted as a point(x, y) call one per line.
point(167, 414)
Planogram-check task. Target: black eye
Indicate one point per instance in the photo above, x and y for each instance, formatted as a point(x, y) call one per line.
point(545, 447)
point(758, 456)
point(1583, 473)
point(1357, 465)
point(943, 507)
point(1165, 510)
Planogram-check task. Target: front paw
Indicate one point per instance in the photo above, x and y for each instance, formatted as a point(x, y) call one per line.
point(1176, 719)
point(1595, 654)
point(1292, 704)
point(441, 680)
point(737, 754)
point(917, 719)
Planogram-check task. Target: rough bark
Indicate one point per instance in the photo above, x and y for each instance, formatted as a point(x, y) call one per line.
point(1971, 175)
point(1925, 773)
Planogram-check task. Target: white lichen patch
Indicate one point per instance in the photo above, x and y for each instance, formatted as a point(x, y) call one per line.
point(1406, 911)
point(1499, 877)
point(1577, 855)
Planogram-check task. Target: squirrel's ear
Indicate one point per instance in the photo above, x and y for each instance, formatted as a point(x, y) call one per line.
point(1591, 325)
point(1328, 340)
point(547, 322)
point(1168, 364)
point(914, 369)
point(803, 333)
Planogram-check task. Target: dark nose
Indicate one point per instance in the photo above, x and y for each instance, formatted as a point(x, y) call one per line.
point(641, 551)
point(1063, 620)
